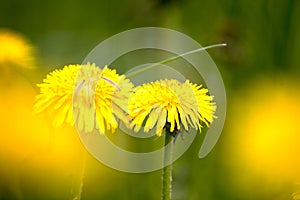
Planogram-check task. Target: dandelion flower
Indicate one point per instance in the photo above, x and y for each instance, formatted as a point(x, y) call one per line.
point(111, 93)
point(85, 94)
point(170, 104)
point(15, 50)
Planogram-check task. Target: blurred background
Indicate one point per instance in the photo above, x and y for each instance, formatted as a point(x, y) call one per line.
point(257, 156)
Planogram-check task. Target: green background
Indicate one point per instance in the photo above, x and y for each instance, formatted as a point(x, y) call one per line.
point(263, 41)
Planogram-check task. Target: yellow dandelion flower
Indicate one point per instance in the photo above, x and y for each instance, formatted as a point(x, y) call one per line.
point(15, 50)
point(56, 94)
point(86, 95)
point(171, 104)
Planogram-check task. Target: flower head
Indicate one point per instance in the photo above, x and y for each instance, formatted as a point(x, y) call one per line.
point(172, 104)
point(15, 50)
point(85, 94)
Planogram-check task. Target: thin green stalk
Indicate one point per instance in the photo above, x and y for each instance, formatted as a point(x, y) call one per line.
point(167, 170)
point(172, 59)
point(77, 185)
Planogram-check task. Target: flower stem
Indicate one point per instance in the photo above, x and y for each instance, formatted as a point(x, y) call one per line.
point(167, 170)
point(77, 185)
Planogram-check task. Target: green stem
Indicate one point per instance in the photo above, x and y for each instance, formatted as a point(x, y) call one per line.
point(172, 59)
point(77, 185)
point(167, 170)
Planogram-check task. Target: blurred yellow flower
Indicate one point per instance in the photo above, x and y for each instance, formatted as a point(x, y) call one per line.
point(170, 103)
point(87, 95)
point(262, 140)
point(15, 50)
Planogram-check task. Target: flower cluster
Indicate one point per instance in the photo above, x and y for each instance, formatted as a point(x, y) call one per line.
point(99, 98)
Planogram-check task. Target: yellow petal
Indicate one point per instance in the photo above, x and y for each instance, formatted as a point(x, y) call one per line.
point(161, 122)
